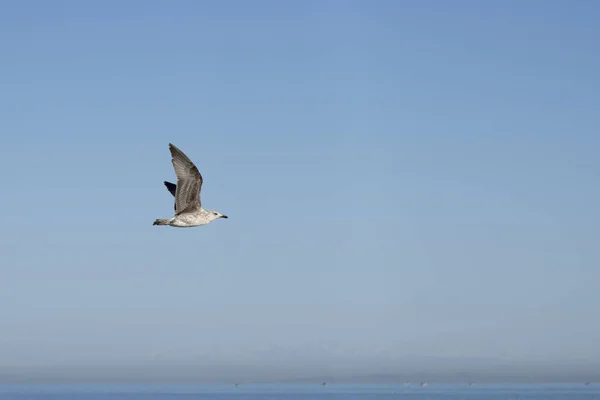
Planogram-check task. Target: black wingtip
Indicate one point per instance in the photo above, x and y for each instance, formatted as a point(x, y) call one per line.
point(171, 187)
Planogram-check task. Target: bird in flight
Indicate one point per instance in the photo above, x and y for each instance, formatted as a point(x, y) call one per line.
point(188, 206)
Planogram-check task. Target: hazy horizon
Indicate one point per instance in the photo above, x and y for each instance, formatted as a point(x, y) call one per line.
point(331, 370)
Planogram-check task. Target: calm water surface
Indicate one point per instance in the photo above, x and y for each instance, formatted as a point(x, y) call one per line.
point(299, 392)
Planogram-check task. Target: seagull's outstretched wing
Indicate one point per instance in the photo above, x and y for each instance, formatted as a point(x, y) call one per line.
point(189, 182)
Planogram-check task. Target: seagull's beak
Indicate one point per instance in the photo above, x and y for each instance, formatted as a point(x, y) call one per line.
point(224, 216)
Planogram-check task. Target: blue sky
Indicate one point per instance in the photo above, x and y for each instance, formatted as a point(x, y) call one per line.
point(401, 178)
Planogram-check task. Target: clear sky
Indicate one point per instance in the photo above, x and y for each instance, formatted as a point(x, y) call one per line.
point(401, 178)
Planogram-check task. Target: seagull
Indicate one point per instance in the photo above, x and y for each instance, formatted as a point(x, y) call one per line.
point(188, 207)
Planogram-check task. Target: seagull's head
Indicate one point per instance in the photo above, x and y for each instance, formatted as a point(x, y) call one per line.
point(212, 215)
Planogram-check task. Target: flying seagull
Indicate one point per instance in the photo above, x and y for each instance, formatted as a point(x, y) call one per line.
point(188, 207)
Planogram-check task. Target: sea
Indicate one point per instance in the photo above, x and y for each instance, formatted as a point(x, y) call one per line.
point(317, 391)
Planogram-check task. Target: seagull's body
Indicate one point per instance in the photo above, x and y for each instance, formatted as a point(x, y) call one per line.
point(188, 207)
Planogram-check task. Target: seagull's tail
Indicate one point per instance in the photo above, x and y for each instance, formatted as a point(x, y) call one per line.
point(162, 222)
